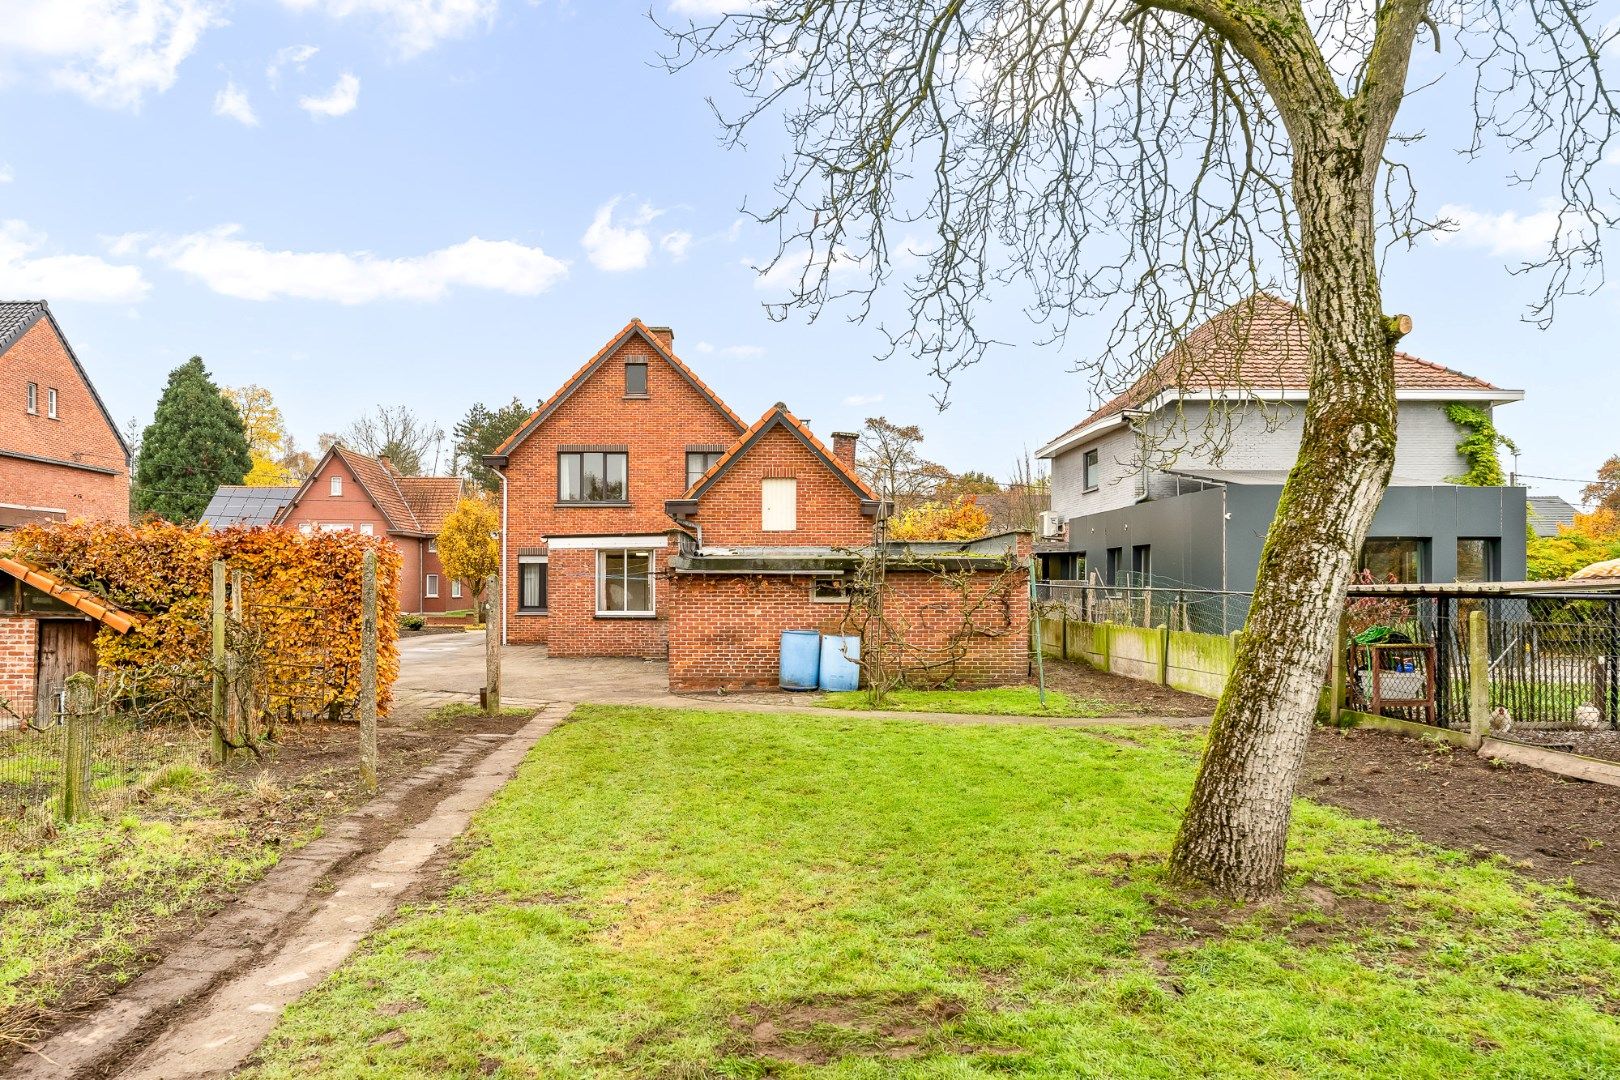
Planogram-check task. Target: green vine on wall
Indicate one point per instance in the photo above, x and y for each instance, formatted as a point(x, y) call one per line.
point(1478, 446)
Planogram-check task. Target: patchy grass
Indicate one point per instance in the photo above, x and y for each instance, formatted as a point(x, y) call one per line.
point(686, 894)
point(469, 710)
point(996, 701)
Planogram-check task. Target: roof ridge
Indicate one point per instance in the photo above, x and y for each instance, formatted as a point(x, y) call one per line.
point(737, 448)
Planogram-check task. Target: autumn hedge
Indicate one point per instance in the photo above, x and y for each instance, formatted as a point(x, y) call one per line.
point(301, 596)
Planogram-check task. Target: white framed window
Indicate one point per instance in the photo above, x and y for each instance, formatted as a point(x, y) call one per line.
point(455, 588)
point(337, 528)
point(699, 462)
point(433, 547)
point(337, 485)
point(624, 583)
point(431, 590)
point(365, 528)
point(306, 528)
point(779, 504)
point(532, 582)
point(32, 397)
point(50, 403)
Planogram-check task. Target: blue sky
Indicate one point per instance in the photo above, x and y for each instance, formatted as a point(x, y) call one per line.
point(434, 202)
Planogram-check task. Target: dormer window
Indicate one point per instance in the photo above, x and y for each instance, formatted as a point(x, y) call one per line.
point(635, 380)
point(337, 486)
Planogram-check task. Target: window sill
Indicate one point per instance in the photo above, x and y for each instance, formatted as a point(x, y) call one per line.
point(533, 611)
point(638, 397)
point(560, 505)
point(627, 614)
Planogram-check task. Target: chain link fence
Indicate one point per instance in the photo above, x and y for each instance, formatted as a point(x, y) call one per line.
point(1135, 602)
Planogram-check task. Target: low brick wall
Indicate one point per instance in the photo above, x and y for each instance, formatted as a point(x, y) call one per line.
point(572, 628)
point(725, 631)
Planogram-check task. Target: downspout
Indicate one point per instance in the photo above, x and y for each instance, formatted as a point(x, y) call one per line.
point(505, 566)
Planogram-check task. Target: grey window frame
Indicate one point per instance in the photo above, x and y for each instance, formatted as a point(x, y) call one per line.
point(1090, 462)
point(543, 563)
point(709, 456)
point(580, 456)
point(645, 390)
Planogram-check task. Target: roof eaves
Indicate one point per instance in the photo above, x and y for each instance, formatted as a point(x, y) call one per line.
point(75, 597)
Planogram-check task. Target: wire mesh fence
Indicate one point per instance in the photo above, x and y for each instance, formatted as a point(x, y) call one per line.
point(1141, 603)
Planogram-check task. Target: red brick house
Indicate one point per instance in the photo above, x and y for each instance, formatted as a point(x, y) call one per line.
point(640, 518)
point(771, 535)
point(61, 456)
point(349, 490)
point(585, 536)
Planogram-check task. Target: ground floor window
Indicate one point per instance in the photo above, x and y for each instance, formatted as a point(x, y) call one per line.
point(1477, 560)
point(829, 591)
point(624, 583)
point(455, 590)
point(432, 589)
point(532, 582)
point(1393, 560)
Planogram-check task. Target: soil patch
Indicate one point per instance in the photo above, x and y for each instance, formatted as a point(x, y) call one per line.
point(826, 1027)
point(1551, 827)
point(1130, 697)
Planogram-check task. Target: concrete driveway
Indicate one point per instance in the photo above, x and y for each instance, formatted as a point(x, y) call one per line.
point(453, 664)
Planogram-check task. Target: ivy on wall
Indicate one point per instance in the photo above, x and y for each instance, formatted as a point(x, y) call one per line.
point(1478, 446)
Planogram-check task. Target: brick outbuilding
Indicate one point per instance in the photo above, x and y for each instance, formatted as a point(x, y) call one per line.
point(47, 633)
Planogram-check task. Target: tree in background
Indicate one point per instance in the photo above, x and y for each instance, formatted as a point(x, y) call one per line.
point(888, 459)
point(1161, 160)
point(394, 432)
point(478, 433)
point(266, 432)
point(962, 518)
point(467, 545)
point(194, 444)
point(1604, 492)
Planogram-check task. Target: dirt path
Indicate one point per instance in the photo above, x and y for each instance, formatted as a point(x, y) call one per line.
point(208, 1006)
point(1550, 827)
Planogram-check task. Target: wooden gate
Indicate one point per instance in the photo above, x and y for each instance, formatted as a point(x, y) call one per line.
point(66, 647)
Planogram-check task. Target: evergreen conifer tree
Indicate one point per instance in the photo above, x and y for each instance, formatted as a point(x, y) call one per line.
point(194, 443)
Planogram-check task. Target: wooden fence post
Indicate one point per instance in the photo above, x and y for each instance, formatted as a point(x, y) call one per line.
point(76, 750)
point(233, 665)
point(217, 713)
point(492, 651)
point(1341, 645)
point(367, 705)
point(1479, 680)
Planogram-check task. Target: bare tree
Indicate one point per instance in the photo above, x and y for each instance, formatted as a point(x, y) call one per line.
point(888, 459)
point(1157, 160)
point(396, 432)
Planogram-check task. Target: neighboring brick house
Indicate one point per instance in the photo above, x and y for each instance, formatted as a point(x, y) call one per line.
point(61, 456)
point(584, 535)
point(770, 536)
point(47, 633)
point(349, 490)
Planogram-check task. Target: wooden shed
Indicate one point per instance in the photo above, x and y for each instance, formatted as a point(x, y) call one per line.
point(47, 633)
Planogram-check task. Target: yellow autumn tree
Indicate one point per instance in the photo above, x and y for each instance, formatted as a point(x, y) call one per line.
point(266, 435)
point(467, 546)
point(960, 519)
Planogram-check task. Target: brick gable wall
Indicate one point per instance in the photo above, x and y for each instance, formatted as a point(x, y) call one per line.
point(655, 431)
point(828, 513)
point(79, 434)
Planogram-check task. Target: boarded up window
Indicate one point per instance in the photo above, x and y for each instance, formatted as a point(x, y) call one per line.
point(779, 504)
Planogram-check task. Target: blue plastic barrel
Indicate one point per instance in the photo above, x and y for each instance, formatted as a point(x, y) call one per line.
point(801, 659)
point(840, 661)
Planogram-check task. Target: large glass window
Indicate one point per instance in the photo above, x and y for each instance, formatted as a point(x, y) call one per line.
point(1393, 560)
point(699, 462)
point(1088, 470)
point(532, 583)
point(1476, 560)
point(624, 584)
point(593, 477)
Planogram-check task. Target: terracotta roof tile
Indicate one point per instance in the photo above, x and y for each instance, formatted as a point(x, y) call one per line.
point(431, 498)
point(744, 440)
point(1259, 344)
point(379, 482)
point(75, 597)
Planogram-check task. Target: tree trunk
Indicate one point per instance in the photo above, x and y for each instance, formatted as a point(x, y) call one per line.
point(1235, 830)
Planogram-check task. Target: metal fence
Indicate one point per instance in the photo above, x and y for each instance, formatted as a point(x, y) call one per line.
point(1138, 603)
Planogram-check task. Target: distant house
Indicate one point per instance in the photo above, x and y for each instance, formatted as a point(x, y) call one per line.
point(61, 456)
point(1176, 481)
point(350, 491)
point(1549, 513)
point(246, 505)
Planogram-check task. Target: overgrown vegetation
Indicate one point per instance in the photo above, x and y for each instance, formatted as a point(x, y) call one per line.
point(697, 894)
point(1479, 446)
point(995, 701)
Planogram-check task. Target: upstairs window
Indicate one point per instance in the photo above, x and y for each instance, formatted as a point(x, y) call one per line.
point(635, 380)
point(779, 504)
point(50, 403)
point(699, 462)
point(32, 397)
point(365, 528)
point(1088, 471)
point(337, 485)
point(592, 477)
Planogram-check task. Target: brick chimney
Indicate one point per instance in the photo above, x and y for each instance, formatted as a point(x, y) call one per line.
point(844, 447)
point(665, 336)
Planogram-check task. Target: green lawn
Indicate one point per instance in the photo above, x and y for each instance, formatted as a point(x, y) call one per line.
point(997, 701)
point(689, 894)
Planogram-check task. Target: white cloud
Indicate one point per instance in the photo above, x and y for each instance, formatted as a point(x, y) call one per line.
point(1507, 233)
point(110, 52)
point(676, 243)
point(293, 56)
point(624, 244)
point(6, 175)
point(230, 265)
point(339, 101)
point(703, 347)
point(62, 277)
point(415, 25)
point(800, 269)
point(232, 101)
point(857, 400)
point(743, 352)
point(709, 8)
